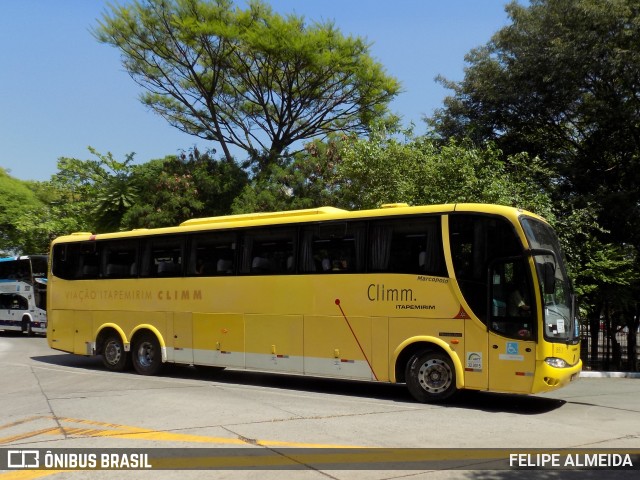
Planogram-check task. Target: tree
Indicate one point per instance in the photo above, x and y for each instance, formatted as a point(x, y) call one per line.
point(99, 191)
point(173, 189)
point(391, 167)
point(305, 180)
point(561, 83)
point(116, 194)
point(246, 78)
point(35, 228)
point(614, 271)
point(17, 200)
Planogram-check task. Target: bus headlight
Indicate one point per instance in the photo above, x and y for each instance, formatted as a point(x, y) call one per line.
point(556, 362)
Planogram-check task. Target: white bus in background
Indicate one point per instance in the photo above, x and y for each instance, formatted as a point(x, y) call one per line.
point(23, 293)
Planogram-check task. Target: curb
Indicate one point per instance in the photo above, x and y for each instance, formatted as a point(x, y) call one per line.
point(590, 374)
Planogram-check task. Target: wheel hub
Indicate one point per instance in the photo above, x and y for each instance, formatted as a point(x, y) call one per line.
point(112, 352)
point(435, 376)
point(146, 353)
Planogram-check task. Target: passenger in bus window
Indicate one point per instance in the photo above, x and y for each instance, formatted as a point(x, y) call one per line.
point(340, 265)
point(199, 266)
point(224, 266)
point(518, 307)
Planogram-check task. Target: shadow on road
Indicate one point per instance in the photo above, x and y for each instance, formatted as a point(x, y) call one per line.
point(75, 361)
point(489, 402)
point(18, 334)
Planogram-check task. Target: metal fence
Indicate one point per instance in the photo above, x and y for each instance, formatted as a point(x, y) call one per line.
point(604, 350)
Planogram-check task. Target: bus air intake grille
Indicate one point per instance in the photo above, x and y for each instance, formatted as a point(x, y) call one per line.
point(552, 382)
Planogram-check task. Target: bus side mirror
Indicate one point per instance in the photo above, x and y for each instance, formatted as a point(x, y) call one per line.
point(549, 278)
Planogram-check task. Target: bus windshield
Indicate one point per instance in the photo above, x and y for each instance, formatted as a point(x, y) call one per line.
point(14, 269)
point(560, 324)
point(27, 268)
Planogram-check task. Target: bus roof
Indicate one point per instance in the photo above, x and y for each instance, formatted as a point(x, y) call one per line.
point(245, 217)
point(301, 216)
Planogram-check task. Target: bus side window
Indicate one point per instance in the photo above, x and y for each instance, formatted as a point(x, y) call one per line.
point(162, 256)
point(19, 303)
point(75, 261)
point(212, 254)
point(333, 247)
point(12, 301)
point(5, 301)
point(407, 246)
point(269, 251)
point(119, 258)
point(60, 264)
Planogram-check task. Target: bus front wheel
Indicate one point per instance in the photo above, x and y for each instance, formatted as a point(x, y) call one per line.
point(114, 357)
point(26, 326)
point(431, 377)
point(147, 356)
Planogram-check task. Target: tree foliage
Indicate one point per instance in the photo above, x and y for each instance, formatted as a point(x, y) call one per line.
point(246, 78)
point(304, 180)
point(16, 201)
point(392, 166)
point(388, 168)
point(175, 189)
point(561, 83)
point(98, 191)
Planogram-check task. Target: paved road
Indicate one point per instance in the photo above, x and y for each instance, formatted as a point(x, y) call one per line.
point(52, 400)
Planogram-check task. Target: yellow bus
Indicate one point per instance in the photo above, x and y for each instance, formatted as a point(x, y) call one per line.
point(442, 298)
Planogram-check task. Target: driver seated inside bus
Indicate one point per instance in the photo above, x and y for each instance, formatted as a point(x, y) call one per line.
point(517, 306)
point(511, 318)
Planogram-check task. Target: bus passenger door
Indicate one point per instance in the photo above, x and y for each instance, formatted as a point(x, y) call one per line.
point(511, 324)
point(511, 364)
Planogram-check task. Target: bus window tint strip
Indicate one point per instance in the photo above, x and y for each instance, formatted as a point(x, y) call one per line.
point(408, 245)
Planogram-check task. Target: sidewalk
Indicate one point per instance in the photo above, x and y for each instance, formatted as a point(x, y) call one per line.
point(594, 374)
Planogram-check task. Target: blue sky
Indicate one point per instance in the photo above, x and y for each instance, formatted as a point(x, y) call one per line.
point(62, 91)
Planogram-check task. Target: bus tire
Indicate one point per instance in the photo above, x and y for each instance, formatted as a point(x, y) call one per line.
point(146, 354)
point(26, 326)
point(431, 377)
point(114, 357)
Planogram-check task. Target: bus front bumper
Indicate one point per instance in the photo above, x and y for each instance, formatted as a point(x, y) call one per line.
point(550, 378)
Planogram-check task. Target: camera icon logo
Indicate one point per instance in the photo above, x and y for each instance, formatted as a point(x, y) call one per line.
point(23, 459)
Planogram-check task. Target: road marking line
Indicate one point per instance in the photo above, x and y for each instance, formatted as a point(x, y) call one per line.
point(114, 430)
point(20, 422)
point(28, 474)
point(35, 433)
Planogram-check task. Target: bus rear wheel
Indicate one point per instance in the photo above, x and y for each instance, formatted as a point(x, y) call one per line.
point(114, 357)
point(431, 377)
point(146, 354)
